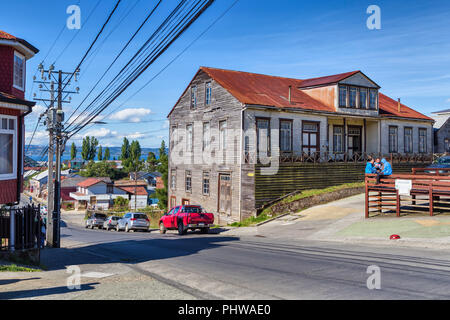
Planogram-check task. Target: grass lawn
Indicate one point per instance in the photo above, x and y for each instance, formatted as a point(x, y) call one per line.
point(16, 268)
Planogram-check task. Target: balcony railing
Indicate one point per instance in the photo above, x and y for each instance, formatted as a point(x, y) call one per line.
point(356, 157)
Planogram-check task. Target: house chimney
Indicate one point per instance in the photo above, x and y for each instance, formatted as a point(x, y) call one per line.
point(290, 90)
point(399, 105)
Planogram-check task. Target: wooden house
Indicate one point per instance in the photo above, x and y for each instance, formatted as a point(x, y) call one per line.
point(232, 132)
point(14, 53)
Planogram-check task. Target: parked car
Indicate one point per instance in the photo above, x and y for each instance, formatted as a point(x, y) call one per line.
point(184, 218)
point(441, 163)
point(111, 222)
point(96, 220)
point(134, 221)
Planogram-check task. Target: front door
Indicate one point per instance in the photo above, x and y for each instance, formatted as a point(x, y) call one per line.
point(354, 140)
point(310, 137)
point(225, 193)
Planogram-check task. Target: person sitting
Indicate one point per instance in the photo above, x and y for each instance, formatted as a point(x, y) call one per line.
point(386, 170)
point(378, 165)
point(370, 169)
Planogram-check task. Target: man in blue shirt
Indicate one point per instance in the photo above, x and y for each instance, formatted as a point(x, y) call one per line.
point(370, 169)
point(386, 170)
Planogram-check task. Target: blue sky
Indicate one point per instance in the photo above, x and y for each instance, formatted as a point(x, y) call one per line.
point(409, 57)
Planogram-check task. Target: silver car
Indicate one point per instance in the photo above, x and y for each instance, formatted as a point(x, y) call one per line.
point(96, 220)
point(133, 221)
point(111, 222)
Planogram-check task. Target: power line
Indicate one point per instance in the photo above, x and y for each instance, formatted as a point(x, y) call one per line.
point(174, 59)
point(114, 61)
point(194, 12)
point(135, 58)
point(77, 32)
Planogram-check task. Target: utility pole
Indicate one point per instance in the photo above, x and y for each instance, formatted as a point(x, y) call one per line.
point(55, 117)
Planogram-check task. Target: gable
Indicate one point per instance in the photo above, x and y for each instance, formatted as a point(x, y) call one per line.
point(359, 79)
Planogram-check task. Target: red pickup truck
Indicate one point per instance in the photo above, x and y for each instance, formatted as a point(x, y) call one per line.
point(183, 218)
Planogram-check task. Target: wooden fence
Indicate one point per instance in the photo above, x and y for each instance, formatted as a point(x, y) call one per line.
point(293, 177)
point(430, 194)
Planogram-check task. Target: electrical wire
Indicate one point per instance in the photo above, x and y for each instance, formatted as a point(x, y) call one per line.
point(194, 12)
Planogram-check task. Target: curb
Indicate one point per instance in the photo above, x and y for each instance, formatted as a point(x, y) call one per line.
point(272, 219)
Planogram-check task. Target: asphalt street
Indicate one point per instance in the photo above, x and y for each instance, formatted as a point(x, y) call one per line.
point(218, 266)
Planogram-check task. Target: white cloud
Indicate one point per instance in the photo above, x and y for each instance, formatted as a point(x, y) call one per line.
point(448, 100)
point(131, 114)
point(135, 135)
point(38, 110)
point(40, 137)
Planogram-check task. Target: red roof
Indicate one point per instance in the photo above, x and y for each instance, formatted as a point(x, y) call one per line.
point(389, 107)
point(89, 182)
point(140, 191)
point(259, 89)
point(327, 80)
point(6, 36)
point(265, 90)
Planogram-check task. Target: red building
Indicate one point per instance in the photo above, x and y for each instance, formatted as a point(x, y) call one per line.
point(14, 53)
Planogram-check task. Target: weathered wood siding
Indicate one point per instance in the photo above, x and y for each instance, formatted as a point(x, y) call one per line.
point(304, 176)
point(223, 107)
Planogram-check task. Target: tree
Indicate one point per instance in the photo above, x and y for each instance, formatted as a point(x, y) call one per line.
point(73, 151)
point(89, 148)
point(152, 162)
point(100, 153)
point(107, 155)
point(103, 169)
point(163, 168)
point(125, 150)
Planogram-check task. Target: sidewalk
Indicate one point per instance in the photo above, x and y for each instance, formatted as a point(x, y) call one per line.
point(344, 221)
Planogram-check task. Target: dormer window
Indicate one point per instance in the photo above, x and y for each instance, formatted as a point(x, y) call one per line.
point(343, 96)
point(373, 97)
point(363, 98)
point(352, 97)
point(357, 97)
point(19, 71)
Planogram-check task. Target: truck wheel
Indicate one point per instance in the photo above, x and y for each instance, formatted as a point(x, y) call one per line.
point(162, 228)
point(204, 230)
point(181, 230)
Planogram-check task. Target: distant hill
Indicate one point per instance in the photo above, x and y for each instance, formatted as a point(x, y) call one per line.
point(35, 151)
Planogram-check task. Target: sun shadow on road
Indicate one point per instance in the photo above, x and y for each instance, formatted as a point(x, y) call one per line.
point(33, 293)
point(130, 251)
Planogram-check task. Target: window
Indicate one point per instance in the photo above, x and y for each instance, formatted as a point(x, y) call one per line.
point(8, 147)
point(188, 181)
point(189, 137)
point(373, 99)
point(408, 137)
point(342, 96)
point(206, 183)
point(393, 139)
point(263, 136)
point(206, 135)
point(173, 203)
point(363, 98)
point(173, 137)
point(352, 97)
point(310, 137)
point(422, 140)
point(19, 71)
point(338, 139)
point(447, 145)
point(208, 93)
point(286, 135)
point(173, 179)
point(222, 135)
point(193, 96)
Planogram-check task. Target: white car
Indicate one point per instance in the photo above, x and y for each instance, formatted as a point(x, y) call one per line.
point(133, 221)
